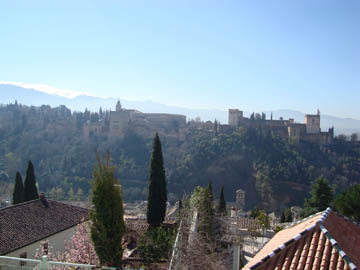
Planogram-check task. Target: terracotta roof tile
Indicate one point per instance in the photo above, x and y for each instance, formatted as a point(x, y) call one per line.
point(323, 241)
point(29, 222)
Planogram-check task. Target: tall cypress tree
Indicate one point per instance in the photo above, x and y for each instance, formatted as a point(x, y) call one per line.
point(211, 193)
point(107, 215)
point(157, 196)
point(30, 189)
point(222, 203)
point(18, 195)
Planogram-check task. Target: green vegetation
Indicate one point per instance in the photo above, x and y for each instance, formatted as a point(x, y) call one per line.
point(321, 197)
point(156, 207)
point(286, 216)
point(18, 195)
point(222, 203)
point(264, 220)
point(107, 226)
point(348, 203)
point(278, 228)
point(211, 191)
point(30, 189)
point(200, 200)
point(156, 244)
point(275, 172)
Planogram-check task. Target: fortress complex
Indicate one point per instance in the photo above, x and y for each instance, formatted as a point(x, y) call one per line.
point(307, 131)
point(122, 119)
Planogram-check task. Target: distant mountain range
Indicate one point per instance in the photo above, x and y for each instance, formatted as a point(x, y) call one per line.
point(10, 93)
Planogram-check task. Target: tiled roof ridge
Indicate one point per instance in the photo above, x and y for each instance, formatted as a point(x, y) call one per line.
point(338, 248)
point(283, 246)
point(321, 219)
point(18, 204)
point(67, 204)
point(334, 242)
point(35, 200)
point(297, 237)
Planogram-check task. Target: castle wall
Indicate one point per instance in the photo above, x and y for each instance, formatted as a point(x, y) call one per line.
point(145, 123)
point(94, 128)
point(163, 120)
point(297, 130)
point(323, 138)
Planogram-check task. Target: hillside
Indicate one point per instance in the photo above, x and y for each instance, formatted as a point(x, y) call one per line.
point(273, 171)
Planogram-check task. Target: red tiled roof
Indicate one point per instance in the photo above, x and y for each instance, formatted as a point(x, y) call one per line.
point(323, 241)
point(29, 222)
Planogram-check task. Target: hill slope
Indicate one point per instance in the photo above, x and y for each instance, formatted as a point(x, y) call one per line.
point(273, 171)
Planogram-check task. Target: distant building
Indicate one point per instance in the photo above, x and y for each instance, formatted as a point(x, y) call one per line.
point(240, 200)
point(122, 119)
point(307, 131)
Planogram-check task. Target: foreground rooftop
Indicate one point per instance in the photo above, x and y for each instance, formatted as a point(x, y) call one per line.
point(323, 241)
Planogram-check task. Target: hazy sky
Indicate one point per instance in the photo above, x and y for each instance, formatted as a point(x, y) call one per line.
point(253, 55)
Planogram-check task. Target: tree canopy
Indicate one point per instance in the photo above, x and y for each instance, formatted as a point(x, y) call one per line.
point(157, 196)
point(321, 197)
point(222, 202)
point(18, 195)
point(107, 216)
point(348, 202)
point(30, 189)
point(211, 190)
point(275, 172)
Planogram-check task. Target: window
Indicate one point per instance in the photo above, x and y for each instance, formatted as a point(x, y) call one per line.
point(45, 249)
point(23, 255)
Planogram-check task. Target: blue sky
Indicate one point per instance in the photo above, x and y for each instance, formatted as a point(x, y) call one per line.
point(253, 55)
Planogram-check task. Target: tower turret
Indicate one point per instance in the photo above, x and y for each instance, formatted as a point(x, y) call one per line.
point(118, 106)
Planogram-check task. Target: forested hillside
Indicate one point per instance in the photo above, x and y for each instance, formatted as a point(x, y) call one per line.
point(273, 171)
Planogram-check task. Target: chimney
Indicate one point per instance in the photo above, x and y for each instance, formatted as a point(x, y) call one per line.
point(44, 200)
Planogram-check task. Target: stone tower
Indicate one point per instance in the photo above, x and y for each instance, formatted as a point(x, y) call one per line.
point(235, 116)
point(312, 122)
point(240, 199)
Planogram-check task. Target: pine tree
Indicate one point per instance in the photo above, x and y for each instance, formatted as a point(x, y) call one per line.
point(157, 196)
point(283, 218)
point(30, 189)
point(107, 216)
point(222, 202)
point(321, 197)
point(348, 202)
point(18, 195)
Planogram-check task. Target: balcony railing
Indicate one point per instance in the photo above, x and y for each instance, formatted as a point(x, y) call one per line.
point(14, 263)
